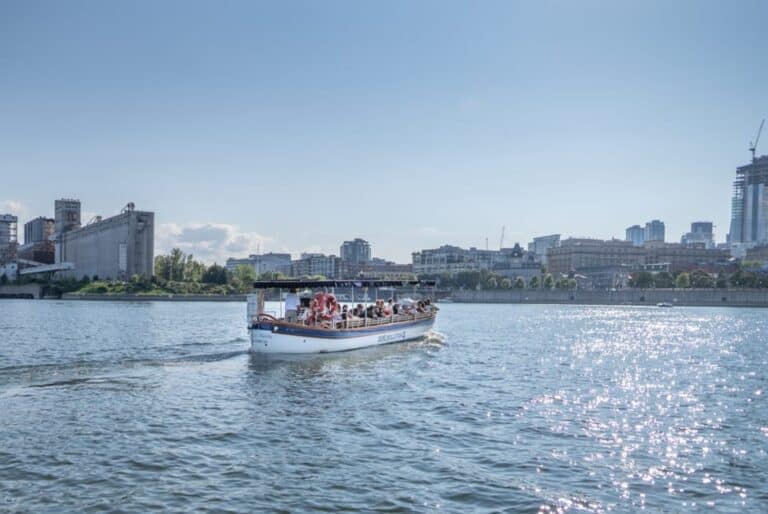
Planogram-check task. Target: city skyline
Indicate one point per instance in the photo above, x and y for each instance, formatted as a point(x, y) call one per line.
point(454, 120)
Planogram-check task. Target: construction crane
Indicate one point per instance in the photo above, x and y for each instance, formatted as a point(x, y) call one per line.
point(501, 242)
point(753, 146)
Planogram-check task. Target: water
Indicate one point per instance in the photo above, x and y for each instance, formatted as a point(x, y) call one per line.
point(132, 407)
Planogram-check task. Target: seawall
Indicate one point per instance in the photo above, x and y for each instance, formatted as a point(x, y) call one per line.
point(692, 297)
point(154, 298)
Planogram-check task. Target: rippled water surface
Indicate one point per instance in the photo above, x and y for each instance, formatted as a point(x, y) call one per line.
point(139, 407)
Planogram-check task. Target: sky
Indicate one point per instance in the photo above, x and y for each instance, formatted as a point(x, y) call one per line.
point(293, 126)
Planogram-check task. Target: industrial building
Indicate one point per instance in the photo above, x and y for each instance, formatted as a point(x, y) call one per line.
point(38, 229)
point(114, 248)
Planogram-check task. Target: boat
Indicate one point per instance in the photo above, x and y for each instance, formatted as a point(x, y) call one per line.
point(664, 304)
point(311, 328)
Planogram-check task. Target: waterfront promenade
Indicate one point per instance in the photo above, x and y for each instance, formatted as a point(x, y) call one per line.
point(690, 297)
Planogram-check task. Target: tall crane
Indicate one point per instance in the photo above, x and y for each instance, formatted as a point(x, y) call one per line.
point(753, 146)
point(501, 242)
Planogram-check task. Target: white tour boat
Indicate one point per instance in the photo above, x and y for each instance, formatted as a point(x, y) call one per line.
point(311, 326)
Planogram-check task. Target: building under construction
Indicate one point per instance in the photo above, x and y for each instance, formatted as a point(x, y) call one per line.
point(749, 203)
point(114, 248)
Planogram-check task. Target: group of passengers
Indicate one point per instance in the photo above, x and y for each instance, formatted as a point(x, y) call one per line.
point(325, 310)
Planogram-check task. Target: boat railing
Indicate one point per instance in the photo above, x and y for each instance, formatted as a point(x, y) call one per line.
point(354, 323)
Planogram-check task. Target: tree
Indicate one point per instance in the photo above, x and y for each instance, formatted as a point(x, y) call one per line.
point(549, 281)
point(664, 279)
point(492, 283)
point(683, 280)
point(162, 267)
point(519, 283)
point(246, 274)
point(534, 282)
point(215, 274)
point(722, 282)
point(701, 279)
point(641, 279)
point(506, 283)
point(176, 265)
point(3, 279)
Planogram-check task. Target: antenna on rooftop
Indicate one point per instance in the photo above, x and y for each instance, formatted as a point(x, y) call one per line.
point(753, 146)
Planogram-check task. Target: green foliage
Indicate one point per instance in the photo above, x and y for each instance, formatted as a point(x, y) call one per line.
point(519, 283)
point(721, 282)
point(3, 279)
point(641, 279)
point(492, 283)
point(701, 279)
point(215, 274)
point(549, 281)
point(683, 280)
point(534, 282)
point(664, 279)
point(506, 283)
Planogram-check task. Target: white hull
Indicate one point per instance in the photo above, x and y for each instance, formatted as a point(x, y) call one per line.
point(266, 341)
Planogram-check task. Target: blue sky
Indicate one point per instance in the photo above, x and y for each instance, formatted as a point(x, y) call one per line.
point(291, 126)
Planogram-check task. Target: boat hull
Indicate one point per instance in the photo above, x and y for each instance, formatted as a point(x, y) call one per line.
point(276, 338)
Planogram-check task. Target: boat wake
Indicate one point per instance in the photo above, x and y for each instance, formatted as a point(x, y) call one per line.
point(435, 338)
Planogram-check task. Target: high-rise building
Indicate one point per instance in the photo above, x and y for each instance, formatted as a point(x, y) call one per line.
point(9, 225)
point(749, 204)
point(67, 215)
point(701, 234)
point(357, 251)
point(654, 231)
point(636, 235)
point(38, 230)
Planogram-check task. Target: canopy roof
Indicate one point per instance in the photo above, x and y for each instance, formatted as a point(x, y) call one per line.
point(363, 282)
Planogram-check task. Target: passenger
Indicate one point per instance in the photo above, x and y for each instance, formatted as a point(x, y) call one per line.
point(336, 319)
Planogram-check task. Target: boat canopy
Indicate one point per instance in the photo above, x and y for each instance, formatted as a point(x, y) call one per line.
point(363, 282)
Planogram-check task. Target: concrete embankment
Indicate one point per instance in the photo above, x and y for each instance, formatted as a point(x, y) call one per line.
point(692, 297)
point(154, 298)
point(25, 291)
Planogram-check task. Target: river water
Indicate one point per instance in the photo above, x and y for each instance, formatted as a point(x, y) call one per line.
point(134, 407)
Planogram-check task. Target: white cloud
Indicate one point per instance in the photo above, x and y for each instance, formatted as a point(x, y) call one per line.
point(14, 207)
point(208, 242)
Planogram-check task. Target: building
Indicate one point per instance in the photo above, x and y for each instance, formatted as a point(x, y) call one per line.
point(592, 255)
point(39, 229)
point(263, 263)
point(749, 204)
point(9, 226)
point(313, 264)
point(636, 235)
point(654, 231)
point(114, 248)
point(67, 215)
point(377, 268)
point(700, 234)
point(540, 245)
point(448, 259)
point(357, 251)
point(679, 257)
